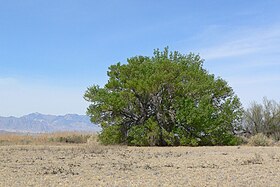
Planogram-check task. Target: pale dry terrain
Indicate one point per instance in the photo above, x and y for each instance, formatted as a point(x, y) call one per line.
point(94, 165)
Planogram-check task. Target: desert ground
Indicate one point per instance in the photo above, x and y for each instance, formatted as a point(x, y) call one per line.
point(91, 164)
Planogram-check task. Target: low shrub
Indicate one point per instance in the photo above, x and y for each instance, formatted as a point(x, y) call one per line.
point(92, 139)
point(260, 140)
point(73, 138)
point(242, 140)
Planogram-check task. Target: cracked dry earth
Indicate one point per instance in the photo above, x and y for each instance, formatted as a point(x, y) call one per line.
point(85, 165)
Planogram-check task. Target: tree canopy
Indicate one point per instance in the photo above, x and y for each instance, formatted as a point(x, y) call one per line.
point(166, 99)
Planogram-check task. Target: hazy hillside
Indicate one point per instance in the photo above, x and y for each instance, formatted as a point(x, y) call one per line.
point(37, 122)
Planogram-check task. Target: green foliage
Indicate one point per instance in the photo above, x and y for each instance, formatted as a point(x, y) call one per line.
point(167, 99)
point(189, 141)
point(111, 135)
point(138, 136)
point(144, 135)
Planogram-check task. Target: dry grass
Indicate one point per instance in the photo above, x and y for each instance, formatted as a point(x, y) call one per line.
point(44, 138)
point(91, 164)
point(96, 165)
point(260, 140)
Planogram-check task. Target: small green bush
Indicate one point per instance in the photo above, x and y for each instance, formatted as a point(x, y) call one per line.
point(260, 140)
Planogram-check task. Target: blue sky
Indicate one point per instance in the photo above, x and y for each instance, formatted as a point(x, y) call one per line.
point(51, 51)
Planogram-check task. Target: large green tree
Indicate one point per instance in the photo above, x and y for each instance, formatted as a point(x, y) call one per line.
point(166, 99)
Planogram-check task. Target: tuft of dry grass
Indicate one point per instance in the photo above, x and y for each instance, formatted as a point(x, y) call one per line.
point(93, 146)
point(260, 140)
point(257, 159)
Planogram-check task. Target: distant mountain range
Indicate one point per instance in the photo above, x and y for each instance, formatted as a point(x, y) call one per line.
point(40, 123)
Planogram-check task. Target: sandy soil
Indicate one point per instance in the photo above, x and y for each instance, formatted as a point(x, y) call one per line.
point(95, 165)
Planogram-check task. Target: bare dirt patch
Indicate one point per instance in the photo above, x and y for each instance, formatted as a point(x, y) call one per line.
point(95, 165)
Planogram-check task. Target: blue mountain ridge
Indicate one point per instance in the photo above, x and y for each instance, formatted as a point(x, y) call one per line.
point(42, 123)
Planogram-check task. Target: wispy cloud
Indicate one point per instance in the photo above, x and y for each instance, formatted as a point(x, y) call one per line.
point(249, 59)
point(245, 42)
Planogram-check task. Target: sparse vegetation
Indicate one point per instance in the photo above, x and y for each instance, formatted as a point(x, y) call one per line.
point(72, 138)
point(44, 138)
point(256, 159)
point(263, 118)
point(260, 140)
point(92, 164)
point(37, 161)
